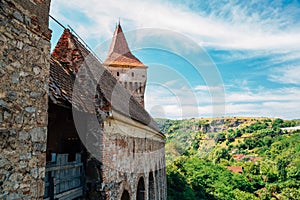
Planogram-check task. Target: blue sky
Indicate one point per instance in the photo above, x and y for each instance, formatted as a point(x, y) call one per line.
point(206, 58)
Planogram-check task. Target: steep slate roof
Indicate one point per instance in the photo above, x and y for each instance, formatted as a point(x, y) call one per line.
point(119, 53)
point(69, 57)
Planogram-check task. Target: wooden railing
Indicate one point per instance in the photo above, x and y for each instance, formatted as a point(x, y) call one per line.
point(63, 179)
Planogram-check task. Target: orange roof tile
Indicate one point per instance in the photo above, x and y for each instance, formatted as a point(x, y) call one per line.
point(238, 156)
point(68, 51)
point(236, 169)
point(119, 53)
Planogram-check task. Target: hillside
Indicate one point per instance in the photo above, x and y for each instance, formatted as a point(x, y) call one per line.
point(232, 158)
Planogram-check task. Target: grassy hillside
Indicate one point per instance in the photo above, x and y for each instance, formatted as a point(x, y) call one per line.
point(232, 158)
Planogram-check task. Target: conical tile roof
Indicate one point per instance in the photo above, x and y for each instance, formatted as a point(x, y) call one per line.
point(119, 54)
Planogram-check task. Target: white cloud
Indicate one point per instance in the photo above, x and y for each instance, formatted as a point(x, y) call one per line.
point(248, 28)
point(282, 103)
point(209, 88)
point(283, 57)
point(286, 75)
point(232, 26)
point(264, 94)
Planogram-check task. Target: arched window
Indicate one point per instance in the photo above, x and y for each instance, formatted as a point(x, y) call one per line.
point(118, 74)
point(125, 85)
point(125, 195)
point(133, 148)
point(151, 186)
point(140, 194)
point(132, 74)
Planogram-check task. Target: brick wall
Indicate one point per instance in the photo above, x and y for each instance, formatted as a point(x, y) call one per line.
point(24, 74)
point(131, 151)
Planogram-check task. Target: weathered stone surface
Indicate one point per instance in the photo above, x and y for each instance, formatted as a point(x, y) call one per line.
point(38, 135)
point(36, 70)
point(11, 95)
point(25, 156)
point(15, 77)
point(24, 59)
point(34, 172)
point(7, 115)
point(35, 94)
point(3, 163)
point(23, 136)
point(3, 103)
point(18, 15)
point(30, 109)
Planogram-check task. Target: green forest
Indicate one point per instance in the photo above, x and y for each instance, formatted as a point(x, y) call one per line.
point(232, 158)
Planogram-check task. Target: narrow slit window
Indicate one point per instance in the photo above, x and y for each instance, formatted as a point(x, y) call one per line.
point(140, 88)
point(136, 86)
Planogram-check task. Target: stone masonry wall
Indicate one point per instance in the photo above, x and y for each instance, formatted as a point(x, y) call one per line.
point(24, 74)
point(134, 79)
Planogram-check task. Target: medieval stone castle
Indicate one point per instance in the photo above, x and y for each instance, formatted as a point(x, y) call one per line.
point(72, 127)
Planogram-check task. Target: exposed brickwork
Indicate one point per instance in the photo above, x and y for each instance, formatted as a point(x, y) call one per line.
point(129, 153)
point(67, 51)
point(24, 73)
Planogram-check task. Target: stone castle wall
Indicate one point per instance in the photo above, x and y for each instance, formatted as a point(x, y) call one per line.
point(24, 74)
point(131, 151)
point(132, 78)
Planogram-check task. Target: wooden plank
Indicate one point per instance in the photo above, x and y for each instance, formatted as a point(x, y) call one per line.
point(71, 194)
point(56, 168)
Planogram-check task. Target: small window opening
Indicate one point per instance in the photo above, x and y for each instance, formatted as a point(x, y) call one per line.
point(136, 86)
point(141, 88)
point(133, 149)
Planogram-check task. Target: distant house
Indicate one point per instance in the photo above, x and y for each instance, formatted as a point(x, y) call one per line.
point(243, 157)
point(235, 169)
point(254, 159)
point(239, 156)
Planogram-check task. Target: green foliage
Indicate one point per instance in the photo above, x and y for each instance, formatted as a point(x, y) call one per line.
point(208, 181)
point(217, 154)
point(197, 161)
point(290, 194)
point(178, 188)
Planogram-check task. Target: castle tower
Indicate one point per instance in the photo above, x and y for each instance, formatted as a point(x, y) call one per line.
point(127, 69)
